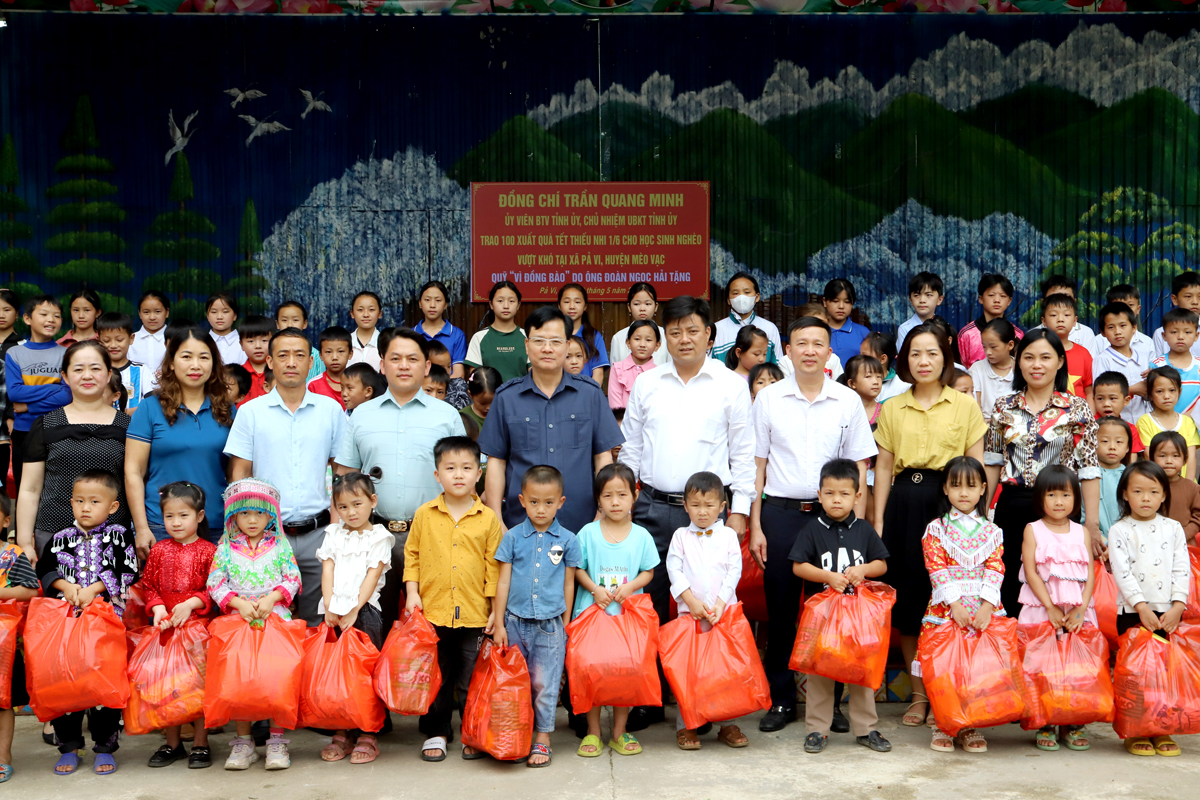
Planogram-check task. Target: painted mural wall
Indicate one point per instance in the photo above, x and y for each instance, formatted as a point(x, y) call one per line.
point(313, 158)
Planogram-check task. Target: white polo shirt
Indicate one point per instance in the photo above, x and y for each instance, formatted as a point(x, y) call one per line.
point(365, 353)
point(798, 437)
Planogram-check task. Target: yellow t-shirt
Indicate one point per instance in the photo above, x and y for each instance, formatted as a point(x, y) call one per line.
point(928, 439)
point(1148, 428)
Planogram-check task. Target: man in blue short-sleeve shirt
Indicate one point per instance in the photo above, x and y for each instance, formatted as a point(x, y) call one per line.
point(548, 417)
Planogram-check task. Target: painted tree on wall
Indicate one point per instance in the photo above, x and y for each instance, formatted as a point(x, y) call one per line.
point(86, 214)
point(178, 243)
point(14, 259)
point(249, 284)
point(1129, 236)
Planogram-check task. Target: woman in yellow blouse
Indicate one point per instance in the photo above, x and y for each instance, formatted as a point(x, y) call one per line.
point(918, 433)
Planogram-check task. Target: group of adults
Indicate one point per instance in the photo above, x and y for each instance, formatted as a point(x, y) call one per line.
point(689, 415)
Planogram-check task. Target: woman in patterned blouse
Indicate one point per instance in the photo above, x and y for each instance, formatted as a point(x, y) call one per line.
point(1038, 425)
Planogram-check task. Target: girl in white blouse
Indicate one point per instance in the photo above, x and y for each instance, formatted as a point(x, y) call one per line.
point(354, 557)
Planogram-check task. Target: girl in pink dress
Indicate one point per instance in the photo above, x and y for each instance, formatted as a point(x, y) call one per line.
point(1056, 573)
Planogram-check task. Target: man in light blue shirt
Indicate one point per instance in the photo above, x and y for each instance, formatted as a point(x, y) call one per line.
point(391, 438)
point(289, 437)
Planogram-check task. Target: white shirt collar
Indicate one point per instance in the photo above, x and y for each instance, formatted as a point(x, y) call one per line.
point(157, 336)
point(793, 389)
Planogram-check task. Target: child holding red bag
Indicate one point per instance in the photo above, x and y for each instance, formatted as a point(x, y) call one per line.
point(18, 581)
point(176, 585)
point(839, 550)
point(964, 554)
point(254, 574)
point(91, 559)
point(1151, 568)
point(704, 563)
point(1057, 581)
point(354, 557)
point(618, 562)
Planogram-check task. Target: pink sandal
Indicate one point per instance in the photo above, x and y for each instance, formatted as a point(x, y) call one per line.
point(365, 749)
point(337, 749)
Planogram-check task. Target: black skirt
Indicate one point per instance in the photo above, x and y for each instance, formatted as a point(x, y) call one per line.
point(913, 503)
point(1014, 510)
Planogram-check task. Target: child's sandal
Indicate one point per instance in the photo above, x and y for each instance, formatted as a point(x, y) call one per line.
point(1047, 739)
point(687, 740)
point(973, 741)
point(1139, 746)
point(6, 772)
point(592, 742)
point(336, 750)
point(366, 750)
point(69, 762)
point(1165, 746)
point(621, 745)
point(942, 742)
point(1076, 739)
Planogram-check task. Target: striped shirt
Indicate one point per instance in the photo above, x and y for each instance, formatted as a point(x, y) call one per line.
point(1189, 392)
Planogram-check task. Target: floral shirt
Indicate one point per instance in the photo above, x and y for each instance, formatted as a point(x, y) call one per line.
point(252, 572)
point(105, 554)
point(965, 558)
point(1022, 442)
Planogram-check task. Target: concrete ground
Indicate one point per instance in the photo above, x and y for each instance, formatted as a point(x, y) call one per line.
point(773, 766)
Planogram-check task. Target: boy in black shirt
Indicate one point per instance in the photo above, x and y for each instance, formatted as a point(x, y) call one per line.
point(839, 550)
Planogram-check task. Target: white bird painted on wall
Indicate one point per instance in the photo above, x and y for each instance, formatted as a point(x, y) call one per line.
point(314, 103)
point(238, 95)
point(180, 139)
point(261, 127)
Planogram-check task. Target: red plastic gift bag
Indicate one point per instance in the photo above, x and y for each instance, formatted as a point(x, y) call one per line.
point(750, 591)
point(716, 675)
point(74, 662)
point(166, 676)
point(136, 615)
point(12, 620)
point(336, 691)
point(254, 672)
point(973, 679)
point(498, 718)
point(1192, 612)
point(1066, 677)
point(612, 660)
point(407, 675)
point(1105, 599)
point(844, 637)
point(1157, 683)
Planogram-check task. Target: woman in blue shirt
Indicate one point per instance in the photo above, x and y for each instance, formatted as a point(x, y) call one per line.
point(572, 301)
point(432, 299)
point(181, 437)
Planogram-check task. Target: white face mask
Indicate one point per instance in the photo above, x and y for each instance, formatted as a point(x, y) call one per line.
point(743, 304)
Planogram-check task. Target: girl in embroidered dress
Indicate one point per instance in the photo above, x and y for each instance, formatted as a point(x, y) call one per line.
point(354, 557)
point(964, 554)
point(1056, 573)
point(254, 574)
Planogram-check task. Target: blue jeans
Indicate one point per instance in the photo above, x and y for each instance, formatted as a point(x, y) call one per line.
point(543, 642)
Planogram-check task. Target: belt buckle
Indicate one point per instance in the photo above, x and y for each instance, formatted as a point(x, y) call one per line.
point(806, 506)
point(917, 477)
point(397, 526)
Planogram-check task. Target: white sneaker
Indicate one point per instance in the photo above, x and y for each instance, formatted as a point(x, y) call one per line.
point(242, 755)
point(277, 754)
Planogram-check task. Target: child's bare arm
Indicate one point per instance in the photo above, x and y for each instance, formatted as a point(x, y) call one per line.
point(569, 593)
point(1036, 584)
point(811, 572)
point(18, 593)
point(327, 567)
point(500, 604)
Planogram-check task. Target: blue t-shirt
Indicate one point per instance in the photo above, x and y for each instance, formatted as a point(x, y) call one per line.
point(454, 340)
point(612, 565)
point(540, 561)
point(601, 357)
point(190, 450)
point(846, 340)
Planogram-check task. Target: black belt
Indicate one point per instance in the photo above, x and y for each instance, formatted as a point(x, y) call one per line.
point(673, 498)
point(306, 525)
point(807, 506)
point(393, 525)
point(915, 475)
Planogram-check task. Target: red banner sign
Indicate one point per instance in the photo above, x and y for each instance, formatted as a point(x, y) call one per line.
point(604, 236)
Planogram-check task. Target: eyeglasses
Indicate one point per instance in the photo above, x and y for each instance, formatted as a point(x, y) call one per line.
point(552, 342)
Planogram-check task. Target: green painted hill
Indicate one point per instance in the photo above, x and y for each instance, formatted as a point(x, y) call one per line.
point(1030, 112)
point(917, 149)
point(1150, 141)
point(768, 212)
point(812, 135)
point(629, 129)
point(521, 151)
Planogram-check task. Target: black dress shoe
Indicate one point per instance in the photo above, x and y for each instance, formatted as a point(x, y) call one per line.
point(840, 724)
point(643, 717)
point(166, 755)
point(777, 719)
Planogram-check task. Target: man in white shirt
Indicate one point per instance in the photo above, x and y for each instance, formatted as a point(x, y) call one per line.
point(800, 424)
point(691, 415)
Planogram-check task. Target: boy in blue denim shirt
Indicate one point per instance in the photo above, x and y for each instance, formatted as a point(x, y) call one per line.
point(537, 574)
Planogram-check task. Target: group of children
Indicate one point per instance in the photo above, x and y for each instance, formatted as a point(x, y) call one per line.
point(523, 586)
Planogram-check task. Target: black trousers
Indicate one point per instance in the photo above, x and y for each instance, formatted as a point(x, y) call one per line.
point(18, 456)
point(458, 648)
point(104, 724)
point(1014, 510)
point(661, 520)
point(783, 590)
